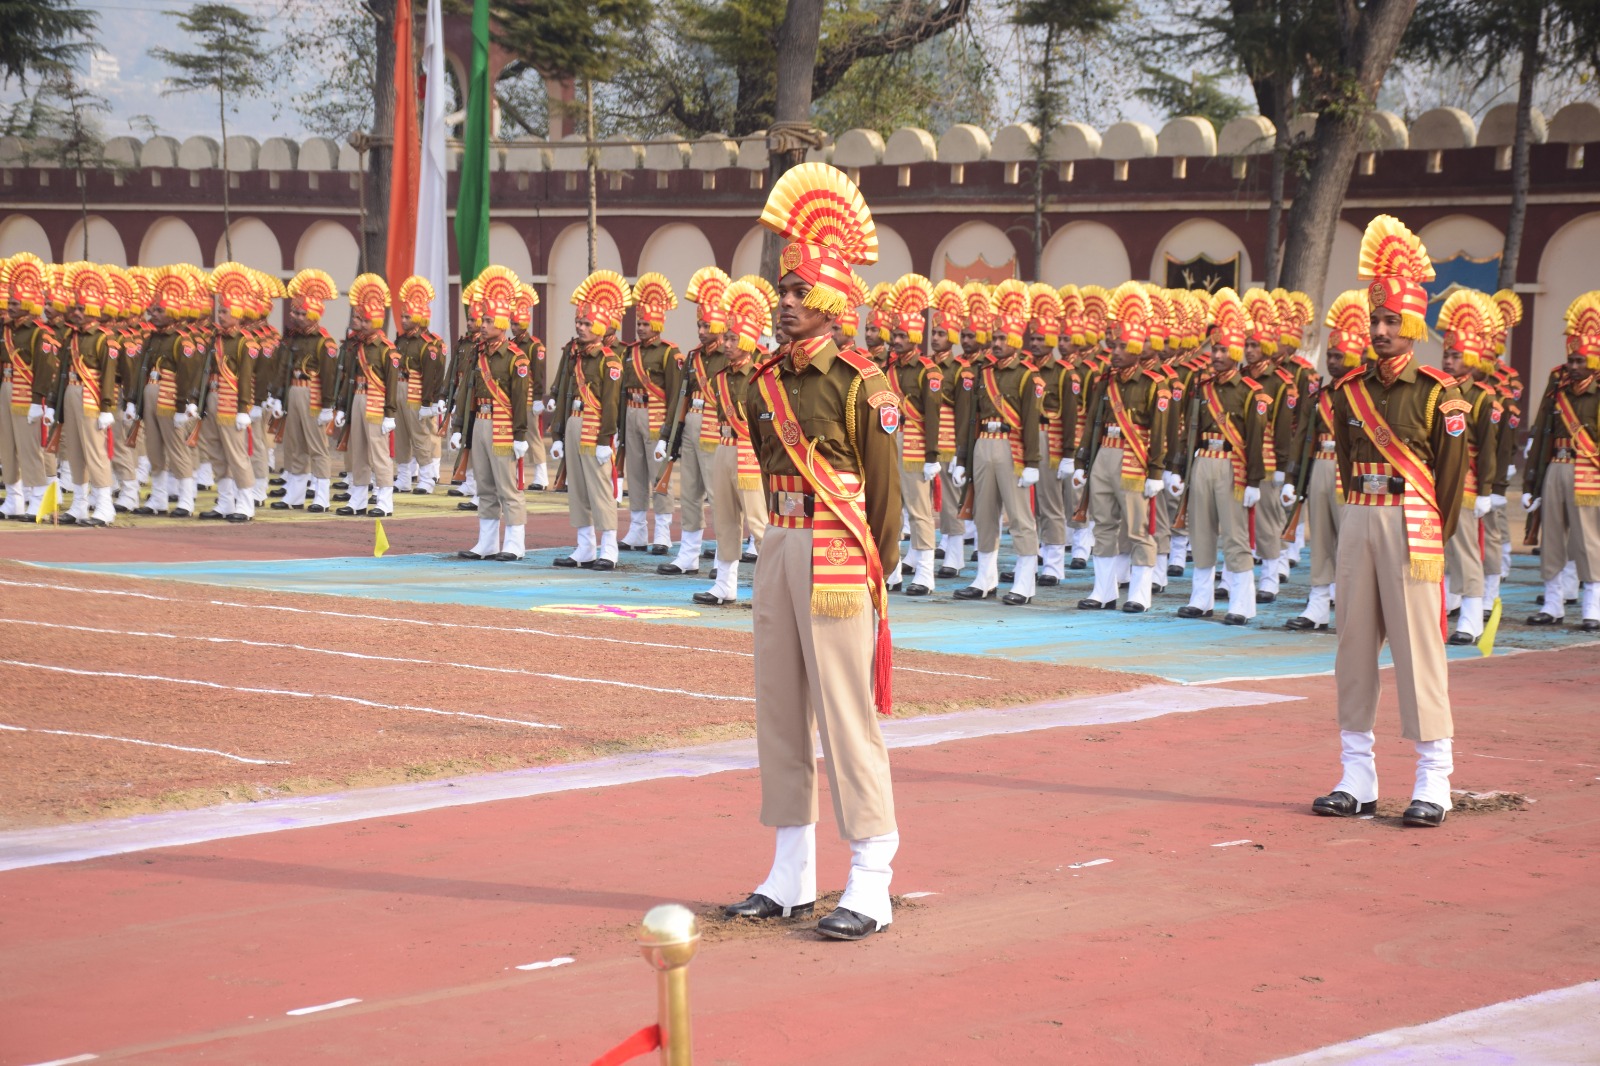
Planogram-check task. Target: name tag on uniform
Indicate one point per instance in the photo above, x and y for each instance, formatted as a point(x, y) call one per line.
point(764, 416)
point(1356, 422)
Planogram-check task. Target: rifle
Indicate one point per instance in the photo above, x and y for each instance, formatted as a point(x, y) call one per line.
point(1180, 521)
point(205, 387)
point(277, 424)
point(463, 453)
point(1302, 474)
point(59, 397)
point(341, 434)
point(140, 381)
point(675, 438)
point(1096, 432)
point(1532, 478)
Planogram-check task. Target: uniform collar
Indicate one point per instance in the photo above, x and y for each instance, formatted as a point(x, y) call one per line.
point(817, 353)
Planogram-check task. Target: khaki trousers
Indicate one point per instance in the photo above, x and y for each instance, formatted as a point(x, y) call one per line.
point(694, 477)
point(1121, 516)
point(305, 443)
point(83, 444)
point(1052, 494)
point(538, 450)
point(368, 455)
point(642, 471)
point(260, 451)
point(124, 456)
point(226, 447)
point(590, 498)
point(1493, 537)
point(499, 485)
point(1378, 601)
point(814, 674)
point(21, 450)
point(916, 496)
point(1323, 512)
point(1463, 563)
point(1571, 533)
point(1270, 520)
point(1216, 519)
point(995, 489)
point(416, 439)
point(732, 508)
point(155, 445)
point(950, 524)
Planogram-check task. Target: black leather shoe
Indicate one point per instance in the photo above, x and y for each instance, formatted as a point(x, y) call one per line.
point(658, 549)
point(1008, 575)
point(1342, 805)
point(601, 564)
point(119, 508)
point(1421, 812)
point(421, 492)
point(710, 599)
point(503, 557)
point(536, 487)
point(315, 508)
point(470, 554)
point(1174, 570)
point(914, 589)
point(212, 515)
point(339, 497)
point(906, 569)
point(273, 494)
point(1049, 581)
point(180, 512)
point(1015, 599)
point(455, 492)
point(1231, 619)
point(274, 481)
point(347, 511)
point(759, 907)
point(846, 924)
point(237, 517)
point(750, 557)
point(1266, 597)
point(1543, 619)
point(567, 562)
point(466, 505)
point(938, 553)
point(1461, 637)
point(973, 592)
point(1187, 611)
point(623, 545)
point(947, 572)
point(1078, 564)
point(1590, 625)
point(96, 523)
point(673, 569)
point(1090, 604)
point(341, 484)
point(708, 553)
point(1132, 607)
point(144, 509)
point(279, 505)
point(1301, 622)
point(379, 512)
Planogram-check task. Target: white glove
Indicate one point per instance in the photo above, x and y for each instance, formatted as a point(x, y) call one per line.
point(388, 425)
point(1175, 487)
point(1152, 485)
point(255, 413)
point(1511, 471)
point(1497, 502)
point(180, 418)
point(1530, 504)
point(602, 452)
point(130, 414)
point(103, 421)
point(455, 442)
point(1481, 505)
point(1030, 476)
point(538, 407)
point(1286, 497)
point(1252, 496)
point(338, 419)
point(661, 450)
point(275, 405)
point(557, 450)
point(519, 448)
point(193, 411)
point(958, 476)
point(1079, 479)
point(1064, 470)
point(325, 416)
point(930, 471)
point(1277, 477)
point(49, 416)
point(35, 412)
point(241, 420)
point(1527, 446)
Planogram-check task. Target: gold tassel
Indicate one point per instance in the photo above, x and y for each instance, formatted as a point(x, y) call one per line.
point(916, 464)
point(1469, 500)
point(837, 603)
point(749, 482)
point(1136, 484)
point(586, 449)
point(1412, 327)
point(1587, 499)
point(827, 300)
point(1428, 568)
point(1238, 494)
point(502, 449)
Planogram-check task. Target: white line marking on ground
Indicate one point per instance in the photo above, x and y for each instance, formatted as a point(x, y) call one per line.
point(336, 1004)
point(381, 658)
point(548, 964)
point(274, 692)
point(437, 625)
point(1230, 843)
point(1085, 865)
point(1502, 758)
point(88, 840)
point(146, 743)
point(67, 1062)
point(917, 895)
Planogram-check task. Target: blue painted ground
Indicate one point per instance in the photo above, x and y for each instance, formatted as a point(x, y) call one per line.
point(1048, 630)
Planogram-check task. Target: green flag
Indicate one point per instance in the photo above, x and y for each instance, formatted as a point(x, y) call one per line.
point(472, 198)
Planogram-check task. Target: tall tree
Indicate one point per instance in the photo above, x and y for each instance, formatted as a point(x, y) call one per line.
point(41, 36)
point(62, 122)
point(229, 61)
point(1199, 94)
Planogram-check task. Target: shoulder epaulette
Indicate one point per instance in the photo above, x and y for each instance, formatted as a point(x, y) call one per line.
point(1255, 386)
point(861, 361)
point(1351, 376)
point(1153, 374)
point(1436, 374)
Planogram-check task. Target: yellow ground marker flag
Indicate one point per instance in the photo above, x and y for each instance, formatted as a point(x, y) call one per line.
point(380, 543)
point(1490, 628)
point(49, 504)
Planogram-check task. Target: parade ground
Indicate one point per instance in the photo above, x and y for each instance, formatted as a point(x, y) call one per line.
point(268, 798)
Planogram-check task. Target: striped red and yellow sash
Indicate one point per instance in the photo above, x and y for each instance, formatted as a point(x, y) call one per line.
point(1586, 471)
point(1135, 439)
point(1424, 533)
point(1230, 432)
point(589, 433)
point(655, 396)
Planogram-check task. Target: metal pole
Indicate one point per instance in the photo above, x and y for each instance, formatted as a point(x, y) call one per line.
point(669, 936)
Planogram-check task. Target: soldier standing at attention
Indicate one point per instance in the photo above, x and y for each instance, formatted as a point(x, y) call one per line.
point(1278, 382)
point(823, 426)
point(589, 400)
point(1467, 321)
point(225, 431)
point(531, 346)
point(685, 436)
point(373, 369)
point(1059, 415)
point(419, 401)
point(645, 369)
point(27, 353)
point(1400, 441)
point(918, 381)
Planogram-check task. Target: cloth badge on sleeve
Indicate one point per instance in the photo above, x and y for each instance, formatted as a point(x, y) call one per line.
point(616, 373)
point(1455, 424)
point(522, 370)
point(1261, 406)
point(1161, 403)
point(966, 383)
point(889, 417)
point(935, 382)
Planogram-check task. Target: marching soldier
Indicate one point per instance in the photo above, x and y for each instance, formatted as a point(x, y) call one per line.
point(688, 437)
point(420, 398)
point(370, 367)
point(822, 422)
point(949, 329)
point(1091, 365)
point(1226, 422)
point(465, 355)
point(1508, 387)
point(89, 371)
point(918, 381)
point(268, 363)
point(1058, 415)
point(533, 348)
point(1400, 442)
point(1001, 449)
point(1278, 382)
point(1564, 466)
point(168, 354)
point(28, 347)
point(126, 340)
point(305, 389)
point(1124, 456)
point(588, 400)
point(644, 384)
point(225, 393)
point(1467, 321)
point(491, 421)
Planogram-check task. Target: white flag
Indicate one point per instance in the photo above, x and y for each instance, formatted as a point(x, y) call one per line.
point(433, 254)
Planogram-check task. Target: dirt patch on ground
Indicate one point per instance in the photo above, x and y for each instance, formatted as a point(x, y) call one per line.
point(1463, 803)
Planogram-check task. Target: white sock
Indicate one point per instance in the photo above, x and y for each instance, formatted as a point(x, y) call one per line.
point(1360, 768)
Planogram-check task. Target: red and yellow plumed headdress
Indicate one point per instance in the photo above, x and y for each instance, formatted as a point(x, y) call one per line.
point(1128, 314)
point(748, 313)
point(1467, 321)
point(496, 291)
point(949, 309)
point(88, 287)
point(603, 297)
point(1583, 328)
point(28, 282)
point(823, 215)
point(124, 292)
point(765, 288)
point(143, 279)
point(912, 295)
point(980, 310)
point(522, 307)
point(1046, 312)
point(414, 299)
point(1305, 311)
point(1261, 320)
point(170, 291)
point(234, 289)
point(1510, 306)
point(1349, 323)
point(1227, 311)
point(1013, 306)
point(312, 289)
point(881, 299)
point(706, 287)
point(1285, 313)
point(5, 279)
point(653, 296)
point(1096, 305)
point(369, 296)
point(849, 320)
point(57, 290)
point(469, 298)
point(1160, 316)
point(1072, 314)
point(1397, 264)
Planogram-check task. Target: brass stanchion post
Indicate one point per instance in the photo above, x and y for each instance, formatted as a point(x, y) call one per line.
point(669, 936)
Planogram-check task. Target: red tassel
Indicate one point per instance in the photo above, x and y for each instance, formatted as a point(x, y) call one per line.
point(883, 669)
point(938, 495)
point(1444, 615)
point(640, 1043)
point(111, 446)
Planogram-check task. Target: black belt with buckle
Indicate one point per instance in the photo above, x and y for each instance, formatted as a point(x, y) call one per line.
point(791, 504)
point(1564, 453)
point(1217, 444)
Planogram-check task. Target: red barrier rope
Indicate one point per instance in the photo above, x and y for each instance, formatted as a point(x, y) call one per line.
point(640, 1043)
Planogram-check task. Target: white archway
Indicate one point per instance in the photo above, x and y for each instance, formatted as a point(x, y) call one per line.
point(894, 258)
point(169, 240)
point(254, 245)
point(677, 250)
point(747, 256)
point(331, 247)
point(1086, 253)
point(974, 250)
point(569, 265)
point(1454, 235)
point(20, 233)
point(507, 248)
point(1566, 271)
point(105, 243)
point(1197, 237)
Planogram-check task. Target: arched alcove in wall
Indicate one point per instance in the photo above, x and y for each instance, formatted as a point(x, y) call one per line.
point(1086, 253)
